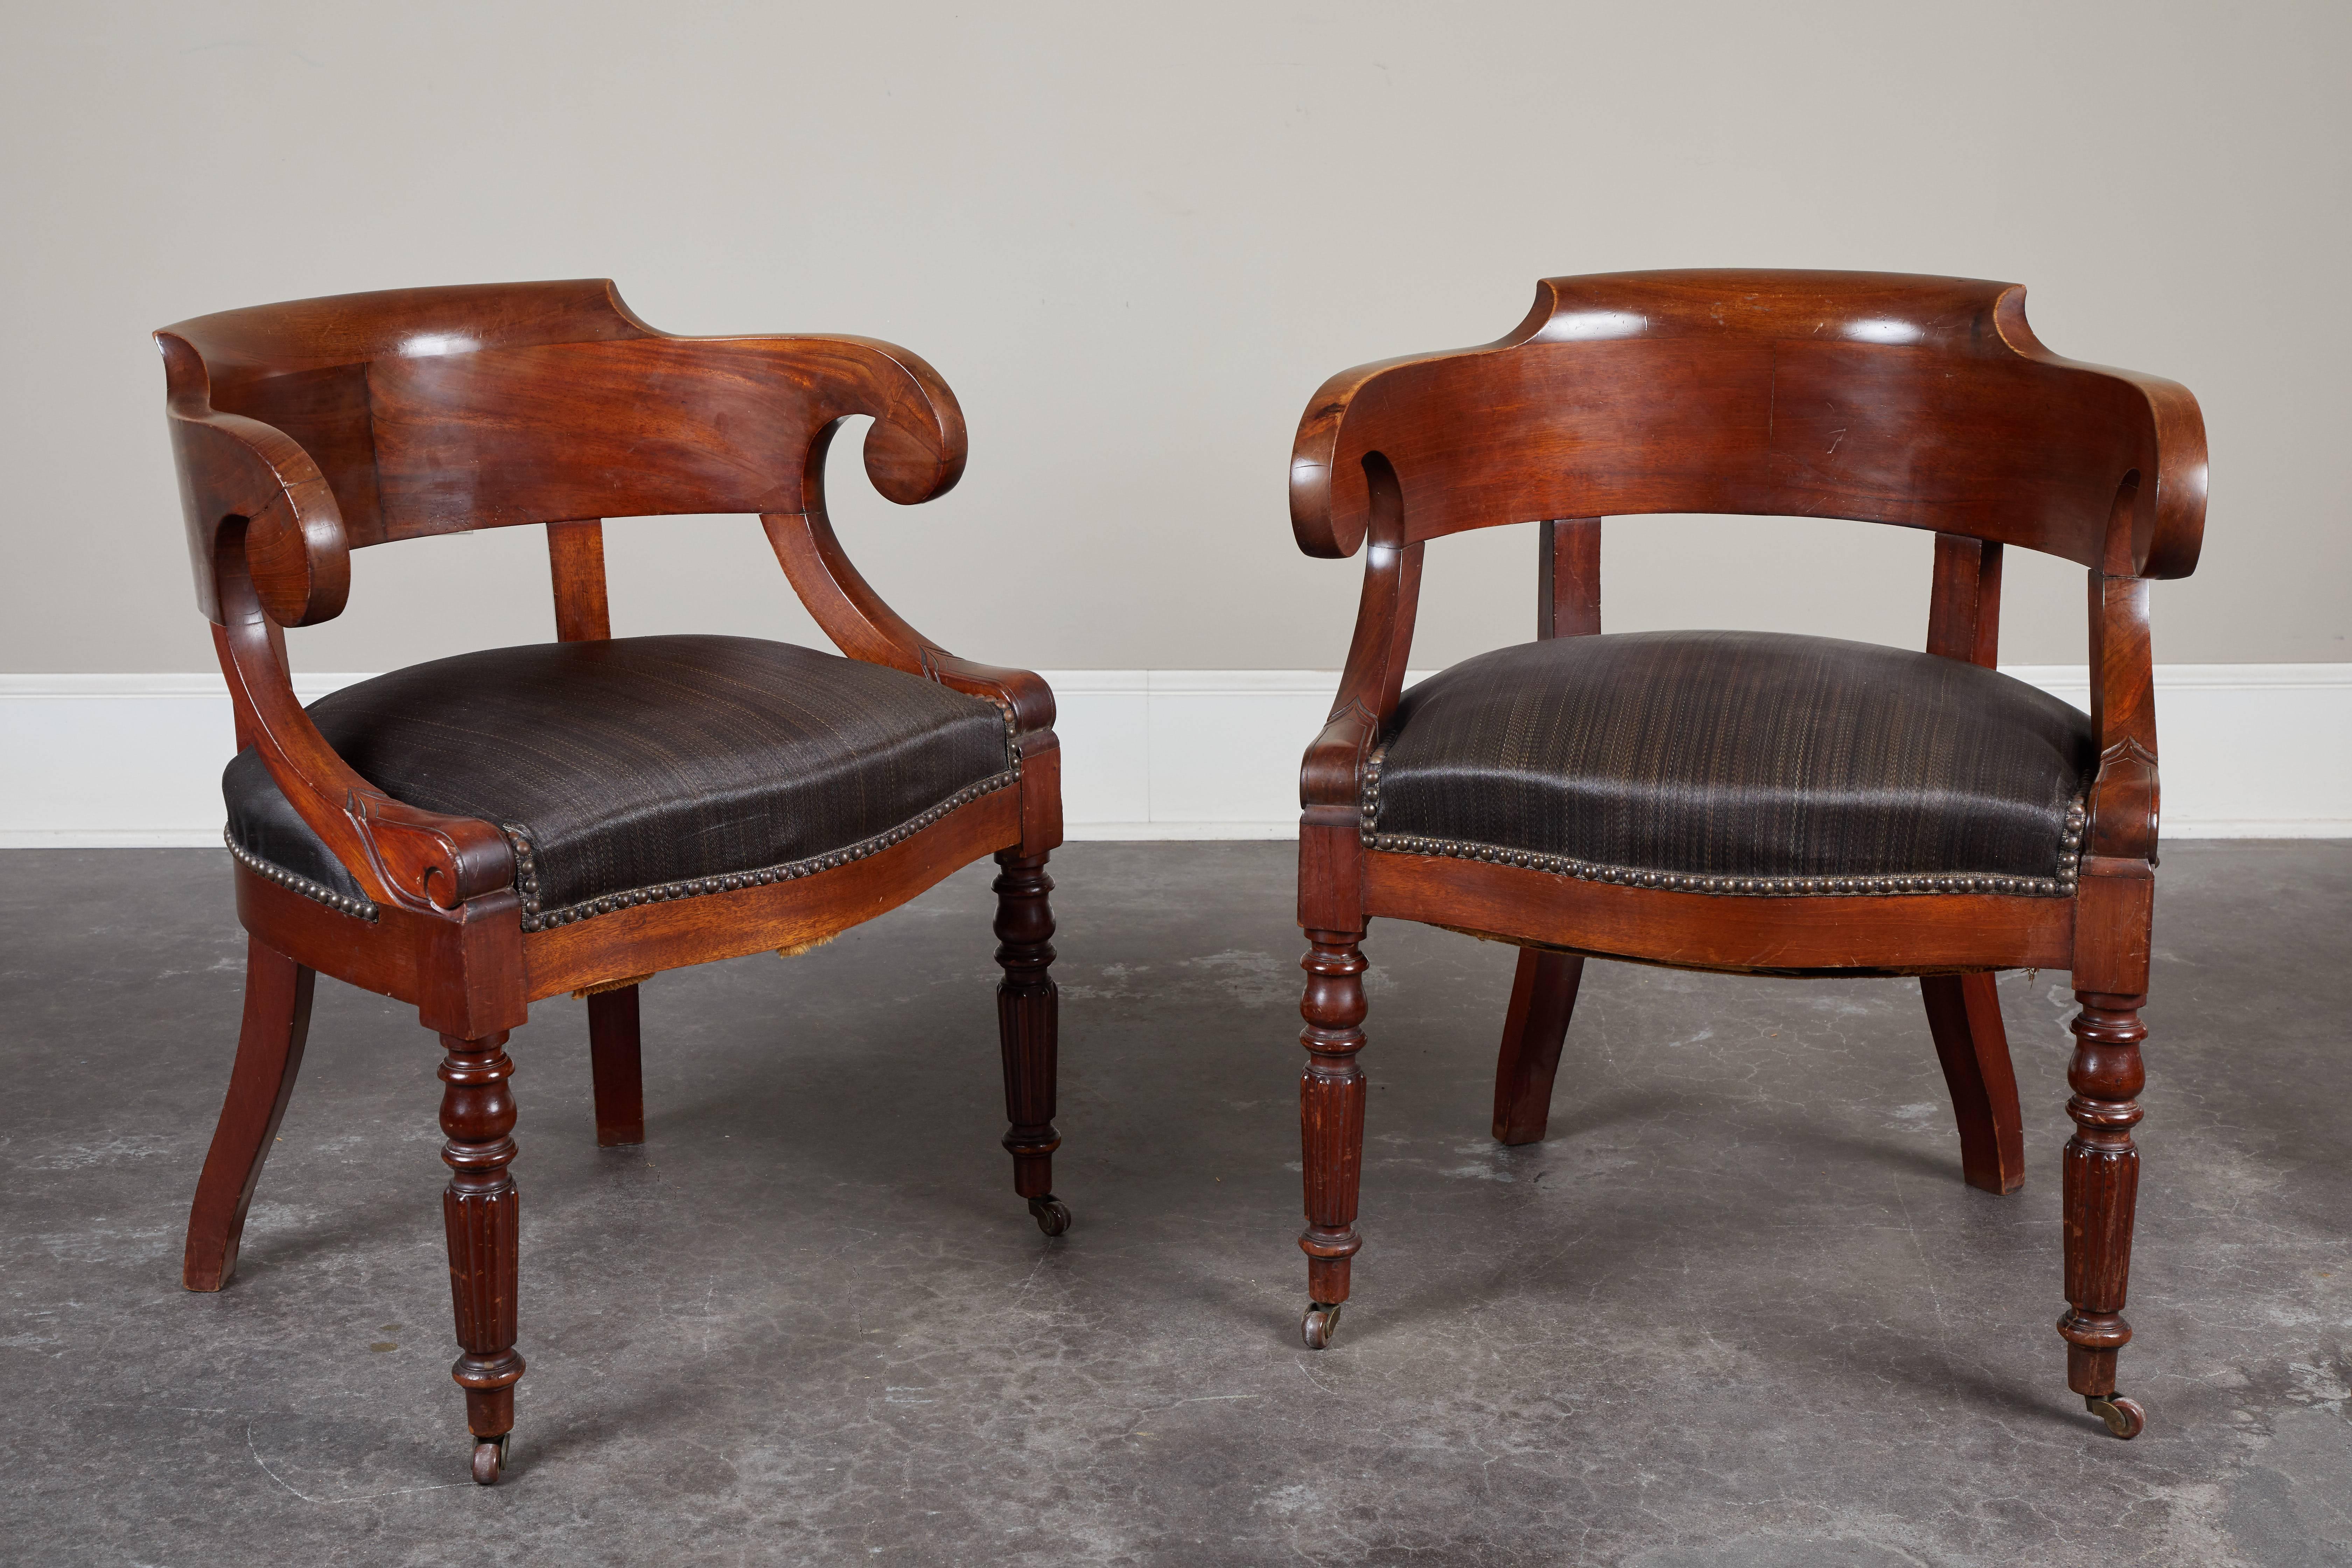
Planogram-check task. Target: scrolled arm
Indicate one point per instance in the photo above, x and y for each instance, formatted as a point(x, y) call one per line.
point(398, 853)
point(858, 620)
point(1332, 490)
point(916, 449)
point(294, 545)
point(2158, 526)
point(1330, 502)
point(1330, 779)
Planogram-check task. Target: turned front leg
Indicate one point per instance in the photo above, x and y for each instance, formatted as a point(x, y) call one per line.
point(1028, 1011)
point(2102, 1181)
point(1330, 1121)
point(479, 1209)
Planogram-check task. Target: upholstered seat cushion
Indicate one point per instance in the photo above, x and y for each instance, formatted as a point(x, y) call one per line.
point(1712, 760)
point(642, 762)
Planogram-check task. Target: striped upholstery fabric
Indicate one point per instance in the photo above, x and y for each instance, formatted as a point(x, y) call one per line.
point(1737, 755)
point(641, 761)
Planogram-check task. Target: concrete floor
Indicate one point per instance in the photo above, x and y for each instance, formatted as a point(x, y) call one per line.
point(1739, 1309)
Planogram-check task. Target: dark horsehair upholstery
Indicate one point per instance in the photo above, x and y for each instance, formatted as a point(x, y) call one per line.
point(1737, 762)
point(643, 767)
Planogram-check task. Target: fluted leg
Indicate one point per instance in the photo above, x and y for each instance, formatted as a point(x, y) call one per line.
point(615, 1065)
point(268, 1053)
point(1027, 1012)
point(479, 1209)
point(1964, 1015)
point(1543, 998)
point(2102, 1179)
point(1330, 1121)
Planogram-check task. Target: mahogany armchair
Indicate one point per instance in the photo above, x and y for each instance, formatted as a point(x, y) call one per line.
point(477, 834)
point(1742, 802)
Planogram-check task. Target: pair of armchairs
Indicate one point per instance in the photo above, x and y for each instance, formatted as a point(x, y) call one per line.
point(476, 833)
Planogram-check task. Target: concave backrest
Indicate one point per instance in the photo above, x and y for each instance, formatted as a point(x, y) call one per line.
point(1925, 402)
point(437, 410)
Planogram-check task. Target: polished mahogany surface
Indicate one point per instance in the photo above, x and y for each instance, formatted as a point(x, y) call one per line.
point(1920, 402)
point(304, 431)
point(1926, 402)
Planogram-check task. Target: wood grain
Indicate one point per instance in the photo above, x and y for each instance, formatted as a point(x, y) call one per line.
point(1895, 934)
point(1920, 402)
point(1925, 402)
point(268, 1055)
point(304, 431)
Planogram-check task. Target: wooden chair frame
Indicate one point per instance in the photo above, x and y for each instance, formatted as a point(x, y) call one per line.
point(305, 430)
point(1920, 402)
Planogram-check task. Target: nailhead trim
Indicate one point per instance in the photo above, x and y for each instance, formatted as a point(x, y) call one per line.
point(536, 918)
point(527, 867)
point(1012, 739)
point(359, 908)
point(2060, 886)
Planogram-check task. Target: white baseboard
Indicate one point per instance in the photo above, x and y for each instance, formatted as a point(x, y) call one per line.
point(2250, 750)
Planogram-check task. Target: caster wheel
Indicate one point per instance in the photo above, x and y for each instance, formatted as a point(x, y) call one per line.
point(2124, 1416)
point(1320, 1324)
point(1053, 1215)
point(489, 1458)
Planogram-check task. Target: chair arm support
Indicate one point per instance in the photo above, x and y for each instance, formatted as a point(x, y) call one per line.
point(1030, 699)
point(294, 543)
point(1331, 780)
point(2124, 797)
point(2158, 524)
point(1332, 499)
point(864, 627)
point(398, 853)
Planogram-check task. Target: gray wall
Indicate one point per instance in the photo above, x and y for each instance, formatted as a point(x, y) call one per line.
point(1135, 242)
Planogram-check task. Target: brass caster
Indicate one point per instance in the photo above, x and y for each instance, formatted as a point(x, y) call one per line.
point(489, 1457)
point(2124, 1416)
point(1053, 1215)
point(1321, 1323)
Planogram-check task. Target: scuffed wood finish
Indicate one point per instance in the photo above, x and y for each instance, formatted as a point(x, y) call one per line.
point(1925, 403)
point(304, 431)
point(268, 1055)
point(1568, 585)
point(1964, 1017)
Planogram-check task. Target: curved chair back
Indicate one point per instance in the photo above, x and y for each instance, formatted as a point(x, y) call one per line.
point(1925, 402)
point(422, 411)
